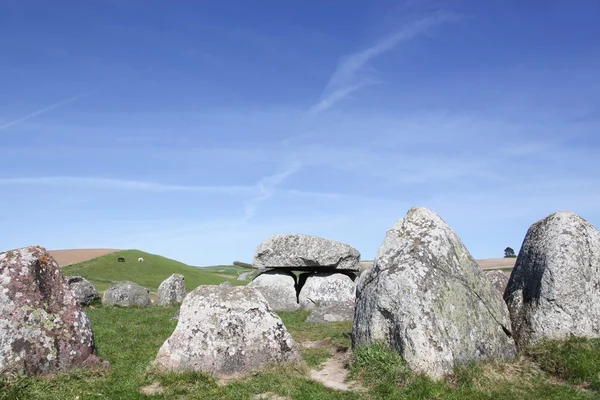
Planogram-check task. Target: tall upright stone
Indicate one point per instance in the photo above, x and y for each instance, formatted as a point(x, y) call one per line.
point(426, 297)
point(43, 329)
point(554, 288)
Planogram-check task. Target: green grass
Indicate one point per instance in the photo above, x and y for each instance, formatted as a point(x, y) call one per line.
point(575, 360)
point(102, 271)
point(130, 339)
point(232, 270)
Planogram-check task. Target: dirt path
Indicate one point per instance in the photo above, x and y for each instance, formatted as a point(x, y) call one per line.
point(333, 374)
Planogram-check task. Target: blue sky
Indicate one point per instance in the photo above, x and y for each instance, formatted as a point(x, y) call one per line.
point(196, 130)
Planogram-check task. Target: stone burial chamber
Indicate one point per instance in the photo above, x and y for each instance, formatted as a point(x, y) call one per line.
point(305, 272)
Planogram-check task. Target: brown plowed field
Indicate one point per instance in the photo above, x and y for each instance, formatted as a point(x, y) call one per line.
point(497, 263)
point(74, 256)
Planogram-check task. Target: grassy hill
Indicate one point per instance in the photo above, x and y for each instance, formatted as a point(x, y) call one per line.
point(104, 270)
point(232, 271)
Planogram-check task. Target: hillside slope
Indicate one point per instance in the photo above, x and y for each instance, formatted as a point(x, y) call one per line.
point(104, 270)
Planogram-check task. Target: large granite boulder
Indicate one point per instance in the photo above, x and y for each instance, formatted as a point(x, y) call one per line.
point(553, 290)
point(171, 291)
point(126, 294)
point(305, 252)
point(279, 288)
point(226, 332)
point(426, 297)
point(337, 312)
point(498, 279)
point(85, 293)
point(42, 328)
point(321, 289)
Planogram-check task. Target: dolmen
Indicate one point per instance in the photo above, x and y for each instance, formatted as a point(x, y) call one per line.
point(305, 272)
point(43, 328)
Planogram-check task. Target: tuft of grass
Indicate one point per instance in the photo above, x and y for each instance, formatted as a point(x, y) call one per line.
point(104, 270)
point(575, 360)
point(380, 366)
point(315, 356)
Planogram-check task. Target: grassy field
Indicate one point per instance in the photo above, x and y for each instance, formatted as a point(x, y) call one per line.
point(102, 271)
point(130, 339)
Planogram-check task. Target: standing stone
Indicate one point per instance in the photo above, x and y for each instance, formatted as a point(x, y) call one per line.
point(337, 312)
point(171, 291)
point(85, 293)
point(321, 289)
point(553, 290)
point(126, 294)
point(498, 279)
point(426, 297)
point(305, 252)
point(227, 332)
point(42, 328)
point(279, 288)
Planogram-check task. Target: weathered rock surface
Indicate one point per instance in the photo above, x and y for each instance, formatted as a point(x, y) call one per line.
point(279, 288)
point(171, 291)
point(227, 332)
point(126, 294)
point(427, 297)
point(85, 293)
point(305, 252)
point(333, 313)
point(42, 328)
point(498, 279)
point(321, 289)
point(243, 276)
point(553, 290)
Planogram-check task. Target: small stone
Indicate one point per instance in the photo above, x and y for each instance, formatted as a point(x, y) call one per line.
point(83, 290)
point(126, 294)
point(171, 291)
point(279, 288)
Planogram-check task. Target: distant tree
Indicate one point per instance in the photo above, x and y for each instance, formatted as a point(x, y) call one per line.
point(509, 252)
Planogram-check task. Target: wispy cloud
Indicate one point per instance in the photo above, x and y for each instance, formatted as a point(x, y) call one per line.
point(46, 109)
point(349, 75)
point(109, 183)
point(266, 188)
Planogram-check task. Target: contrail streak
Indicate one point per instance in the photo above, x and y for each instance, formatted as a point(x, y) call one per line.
point(65, 101)
point(46, 109)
